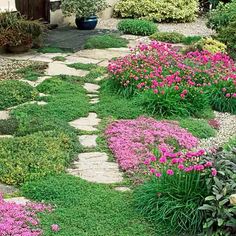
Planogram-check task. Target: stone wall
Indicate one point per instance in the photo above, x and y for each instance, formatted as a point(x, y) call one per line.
point(58, 18)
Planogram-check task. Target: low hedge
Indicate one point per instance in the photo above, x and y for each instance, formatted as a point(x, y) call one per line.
point(13, 92)
point(137, 27)
point(161, 10)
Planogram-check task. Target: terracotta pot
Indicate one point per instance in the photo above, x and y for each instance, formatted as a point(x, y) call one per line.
point(18, 49)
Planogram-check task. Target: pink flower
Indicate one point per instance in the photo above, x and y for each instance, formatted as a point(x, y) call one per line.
point(163, 160)
point(181, 166)
point(224, 89)
point(213, 172)
point(227, 95)
point(170, 172)
point(55, 228)
point(158, 174)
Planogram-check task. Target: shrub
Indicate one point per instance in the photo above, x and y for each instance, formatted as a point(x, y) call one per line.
point(105, 41)
point(222, 16)
point(198, 128)
point(228, 36)
point(8, 126)
point(175, 191)
point(211, 45)
point(188, 40)
point(219, 209)
point(231, 145)
point(33, 156)
point(13, 92)
point(137, 27)
point(169, 37)
point(192, 81)
point(162, 10)
point(138, 137)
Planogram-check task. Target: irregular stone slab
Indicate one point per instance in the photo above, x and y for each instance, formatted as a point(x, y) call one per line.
point(92, 95)
point(86, 123)
point(88, 141)
point(22, 56)
point(4, 115)
point(59, 68)
point(101, 54)
point(43, 95)
point(17, 200)
point(37, 82)
point(94, 101)
point(40, 103)
point(101, 78)
point(104, 63)
point(6, 136)
point(7, 189)
point(91, 88)
point(47, 57)
point(93, 167)
point(122, 189)
point(84, 60)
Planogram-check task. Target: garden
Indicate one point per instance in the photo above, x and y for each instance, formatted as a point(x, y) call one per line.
point(134, 134)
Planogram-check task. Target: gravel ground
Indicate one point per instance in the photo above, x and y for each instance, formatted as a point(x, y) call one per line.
point(9, 67)
point(226, 131)
point(194, 28)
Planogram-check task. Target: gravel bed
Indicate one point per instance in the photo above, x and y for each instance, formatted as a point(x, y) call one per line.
point(226, 131)
point(9, 67)
point(194, 28)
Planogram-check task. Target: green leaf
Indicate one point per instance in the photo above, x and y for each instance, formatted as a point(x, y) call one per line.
point(220, 222)
point(210, 198)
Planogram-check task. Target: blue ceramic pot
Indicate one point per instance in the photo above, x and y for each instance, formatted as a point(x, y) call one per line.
point(86, 23)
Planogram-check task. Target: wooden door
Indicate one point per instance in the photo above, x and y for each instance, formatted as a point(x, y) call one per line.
point(34, 9)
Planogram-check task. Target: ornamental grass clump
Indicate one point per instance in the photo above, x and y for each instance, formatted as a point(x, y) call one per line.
point(22, 220)
point(176, 84)
point(132, 141)
point(175, 191)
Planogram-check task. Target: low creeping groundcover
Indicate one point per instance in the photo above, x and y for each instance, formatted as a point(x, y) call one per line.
point(190, 81)
point(21, 220)
point(132, 141)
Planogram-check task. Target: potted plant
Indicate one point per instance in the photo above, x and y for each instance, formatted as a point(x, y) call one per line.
point(14, 40)
point(84, 10)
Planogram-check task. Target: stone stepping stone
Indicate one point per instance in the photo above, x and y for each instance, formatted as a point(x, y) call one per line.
point(88, 141)
point(101, 54)
point(4, 115)
point(101, 78)
point(104, 63)
point(94, 167)
point(43, 95)
point(5, 136)
point(40, 103)
point(17, 200)
point(47, 57)
point(122, 189)
point(37, 82)
point(86, 123)
point(75, 59)
point(91, 88)
point(94, 101)
point(92, 95)
point(60, 68)
point(7, 189)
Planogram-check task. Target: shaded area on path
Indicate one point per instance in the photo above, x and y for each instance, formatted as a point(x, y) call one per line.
point(71, 38)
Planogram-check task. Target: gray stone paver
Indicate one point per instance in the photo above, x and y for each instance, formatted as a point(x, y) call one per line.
point(92, 95)
point(75, 59)
point(17, 200)
point(88, 141)
point(60, 68)
point(94, 167)
point(122, 189)
point(94, 101)
point(91, 88)
point(86, 123)
point(4, 115)
point(7, 189)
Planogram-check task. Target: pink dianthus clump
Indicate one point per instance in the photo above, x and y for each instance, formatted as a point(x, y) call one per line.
point(132, 141)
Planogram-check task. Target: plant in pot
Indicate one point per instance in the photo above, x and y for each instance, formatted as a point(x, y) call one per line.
point(84, 10)
point(14, 40)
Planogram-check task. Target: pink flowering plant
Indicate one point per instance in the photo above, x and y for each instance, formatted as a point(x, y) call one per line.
point(195, 78)
point(21, 220)
point(131, 141)
point(176, 189)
